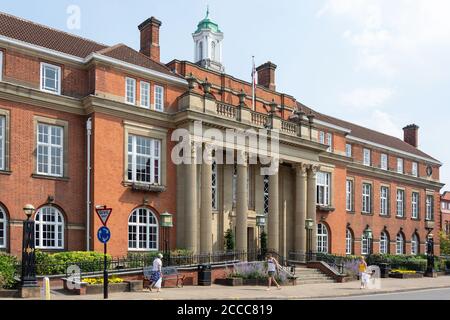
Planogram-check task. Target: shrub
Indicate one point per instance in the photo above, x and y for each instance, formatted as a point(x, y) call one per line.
point(415, 263)
point(229, 240)
point(400, 271)
point(8, 269)
point(113, 279)
point(57, 263)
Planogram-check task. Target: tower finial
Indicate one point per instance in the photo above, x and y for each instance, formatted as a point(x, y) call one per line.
point(207, 11)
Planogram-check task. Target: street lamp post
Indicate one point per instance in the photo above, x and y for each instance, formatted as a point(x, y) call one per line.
point(309, 225)
point(166, 225)
point(261, 223)
point(29, 285)
point(369, 236)
point(430, 257)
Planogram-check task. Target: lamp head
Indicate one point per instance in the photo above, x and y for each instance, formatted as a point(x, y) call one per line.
point(29, 210)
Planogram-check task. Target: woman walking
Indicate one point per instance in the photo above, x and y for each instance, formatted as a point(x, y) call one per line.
point(362, 268)
point(272, 267)
point(156, 277)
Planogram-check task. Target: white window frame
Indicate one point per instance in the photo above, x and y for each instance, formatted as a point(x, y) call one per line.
point(415, 169)
point(415, 205)
point(384, 161)
point(159, 98)
point(348, 150)
point(130, 91)
point(400, 212)
point(149, 215)
point(400, 244)
point(1, 65)
point(366, 198)
point(2, 142)
point(384, 243)
point(384, 201)
point(214, 184)
point(322, 137)
point(348, 242)
point(3, 228)
point(145, 94)
point(330, 142)
point(367, 157)
point(50, 146)
point(349, 192)
point(364, 245)
point(429, 208)
point(57, 69)
point(155, 144)
point(323, 186)
point(39, 228)
point(400, 165)
point(322, 238)
point(414, 245)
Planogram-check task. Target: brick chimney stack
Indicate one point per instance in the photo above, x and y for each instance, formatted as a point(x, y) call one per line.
point(150, 38)
point(411, 135)
point(266, 75)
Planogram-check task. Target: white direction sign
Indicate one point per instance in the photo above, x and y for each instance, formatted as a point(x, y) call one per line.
point(104, 214)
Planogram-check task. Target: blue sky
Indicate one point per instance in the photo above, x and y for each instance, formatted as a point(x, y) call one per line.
point(379, 63)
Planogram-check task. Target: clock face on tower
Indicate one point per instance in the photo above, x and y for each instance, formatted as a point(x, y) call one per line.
point(429, 171)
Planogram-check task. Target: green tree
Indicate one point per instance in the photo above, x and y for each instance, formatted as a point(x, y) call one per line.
point(263, 241)
point(229, 240)
point(445, 243)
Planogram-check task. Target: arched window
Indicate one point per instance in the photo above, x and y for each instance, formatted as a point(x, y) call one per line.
point(213, 51)
point(3, 224)
point(49, 228)
point(415, 244)
point(384, 243)
point(400, 244)
point(143, 230)
point(322, 238)
point(349, 242)
point(200, 51)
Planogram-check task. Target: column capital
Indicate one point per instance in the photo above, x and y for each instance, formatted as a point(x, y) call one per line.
point(242, 158)
point(313, 169)
point(208, 153)
point(301, 169)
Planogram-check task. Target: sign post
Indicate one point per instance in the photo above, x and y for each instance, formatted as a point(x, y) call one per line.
point(103, 235)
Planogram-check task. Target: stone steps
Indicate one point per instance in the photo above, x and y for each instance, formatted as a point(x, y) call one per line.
point(311, 276)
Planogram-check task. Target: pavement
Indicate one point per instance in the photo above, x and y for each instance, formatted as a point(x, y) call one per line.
point(327, 291)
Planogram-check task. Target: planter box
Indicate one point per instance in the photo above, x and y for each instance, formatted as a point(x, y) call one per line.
point(112, 288)
point(231, 282)
point(4, 293)
point(406, 276)
point(84, 288)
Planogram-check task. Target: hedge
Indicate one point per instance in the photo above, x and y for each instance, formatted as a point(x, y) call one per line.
point(8, 271)
point(57, 263)
point(402, 262)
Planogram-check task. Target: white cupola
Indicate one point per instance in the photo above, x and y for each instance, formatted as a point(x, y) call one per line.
point(208, 45)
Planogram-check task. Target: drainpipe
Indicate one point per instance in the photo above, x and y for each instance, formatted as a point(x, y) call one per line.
point(88, 183)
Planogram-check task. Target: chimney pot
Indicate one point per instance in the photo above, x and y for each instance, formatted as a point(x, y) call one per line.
point(266, 75)
point(411, 135)
point(150, 38)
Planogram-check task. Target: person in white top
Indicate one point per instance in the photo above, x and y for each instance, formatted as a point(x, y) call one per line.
point(272, 267)
point(156, 277)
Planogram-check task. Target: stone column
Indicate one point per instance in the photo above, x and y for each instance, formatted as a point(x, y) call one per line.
point(206, 203)
point(312, 202)
point(241, 203)
point(190, 197)
point(273, 220)
point(300, 208)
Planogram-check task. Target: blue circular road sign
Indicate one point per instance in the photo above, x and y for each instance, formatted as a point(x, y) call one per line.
point(103, 234)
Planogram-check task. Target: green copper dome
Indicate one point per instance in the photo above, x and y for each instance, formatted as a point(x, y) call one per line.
point(207, 24)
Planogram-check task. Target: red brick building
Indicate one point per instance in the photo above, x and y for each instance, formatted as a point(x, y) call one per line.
point(445, 212)
point(85, 124)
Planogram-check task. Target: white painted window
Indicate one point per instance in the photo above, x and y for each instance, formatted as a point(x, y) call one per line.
point(322, 238)
point(130, 90)
point(322, 137)
point(323, 188)
point(349, 195)
point(384, 201)
point(2, 142)
point(400, 244)
point(213, 51)
point(3, 224)
point(400, 203)
point(384, 243)
point(367, 198)
point(367, 157)
point(399, 165)
point(1, 65)
point(49, 228)
point(159, 98)
point(50, 150)
point(348, 150)
point(348, 242)
point(415, 205)
point(143, 230)
point(414, 245)
point(145, 94)
point(266, 195)
point(364, 245)
point(50, 78)
point(429, 205)
point(384, 161)
point(144, 160)
point(329, 142)
point(214, 180)
point(415, 169)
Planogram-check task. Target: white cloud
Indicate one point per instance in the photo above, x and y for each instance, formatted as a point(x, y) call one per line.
point(366, 98)
point(383, 122)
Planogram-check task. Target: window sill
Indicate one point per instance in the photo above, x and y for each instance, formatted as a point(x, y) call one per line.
point(400, 218)
point(145, 187)
point(5, 172)
point(387, 216)
point(325, 208)
point(367, 214)
point(416, 219)
point(41, 176)
point(351, 212)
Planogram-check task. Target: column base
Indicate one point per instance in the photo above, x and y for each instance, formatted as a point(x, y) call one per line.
point(30, 292)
